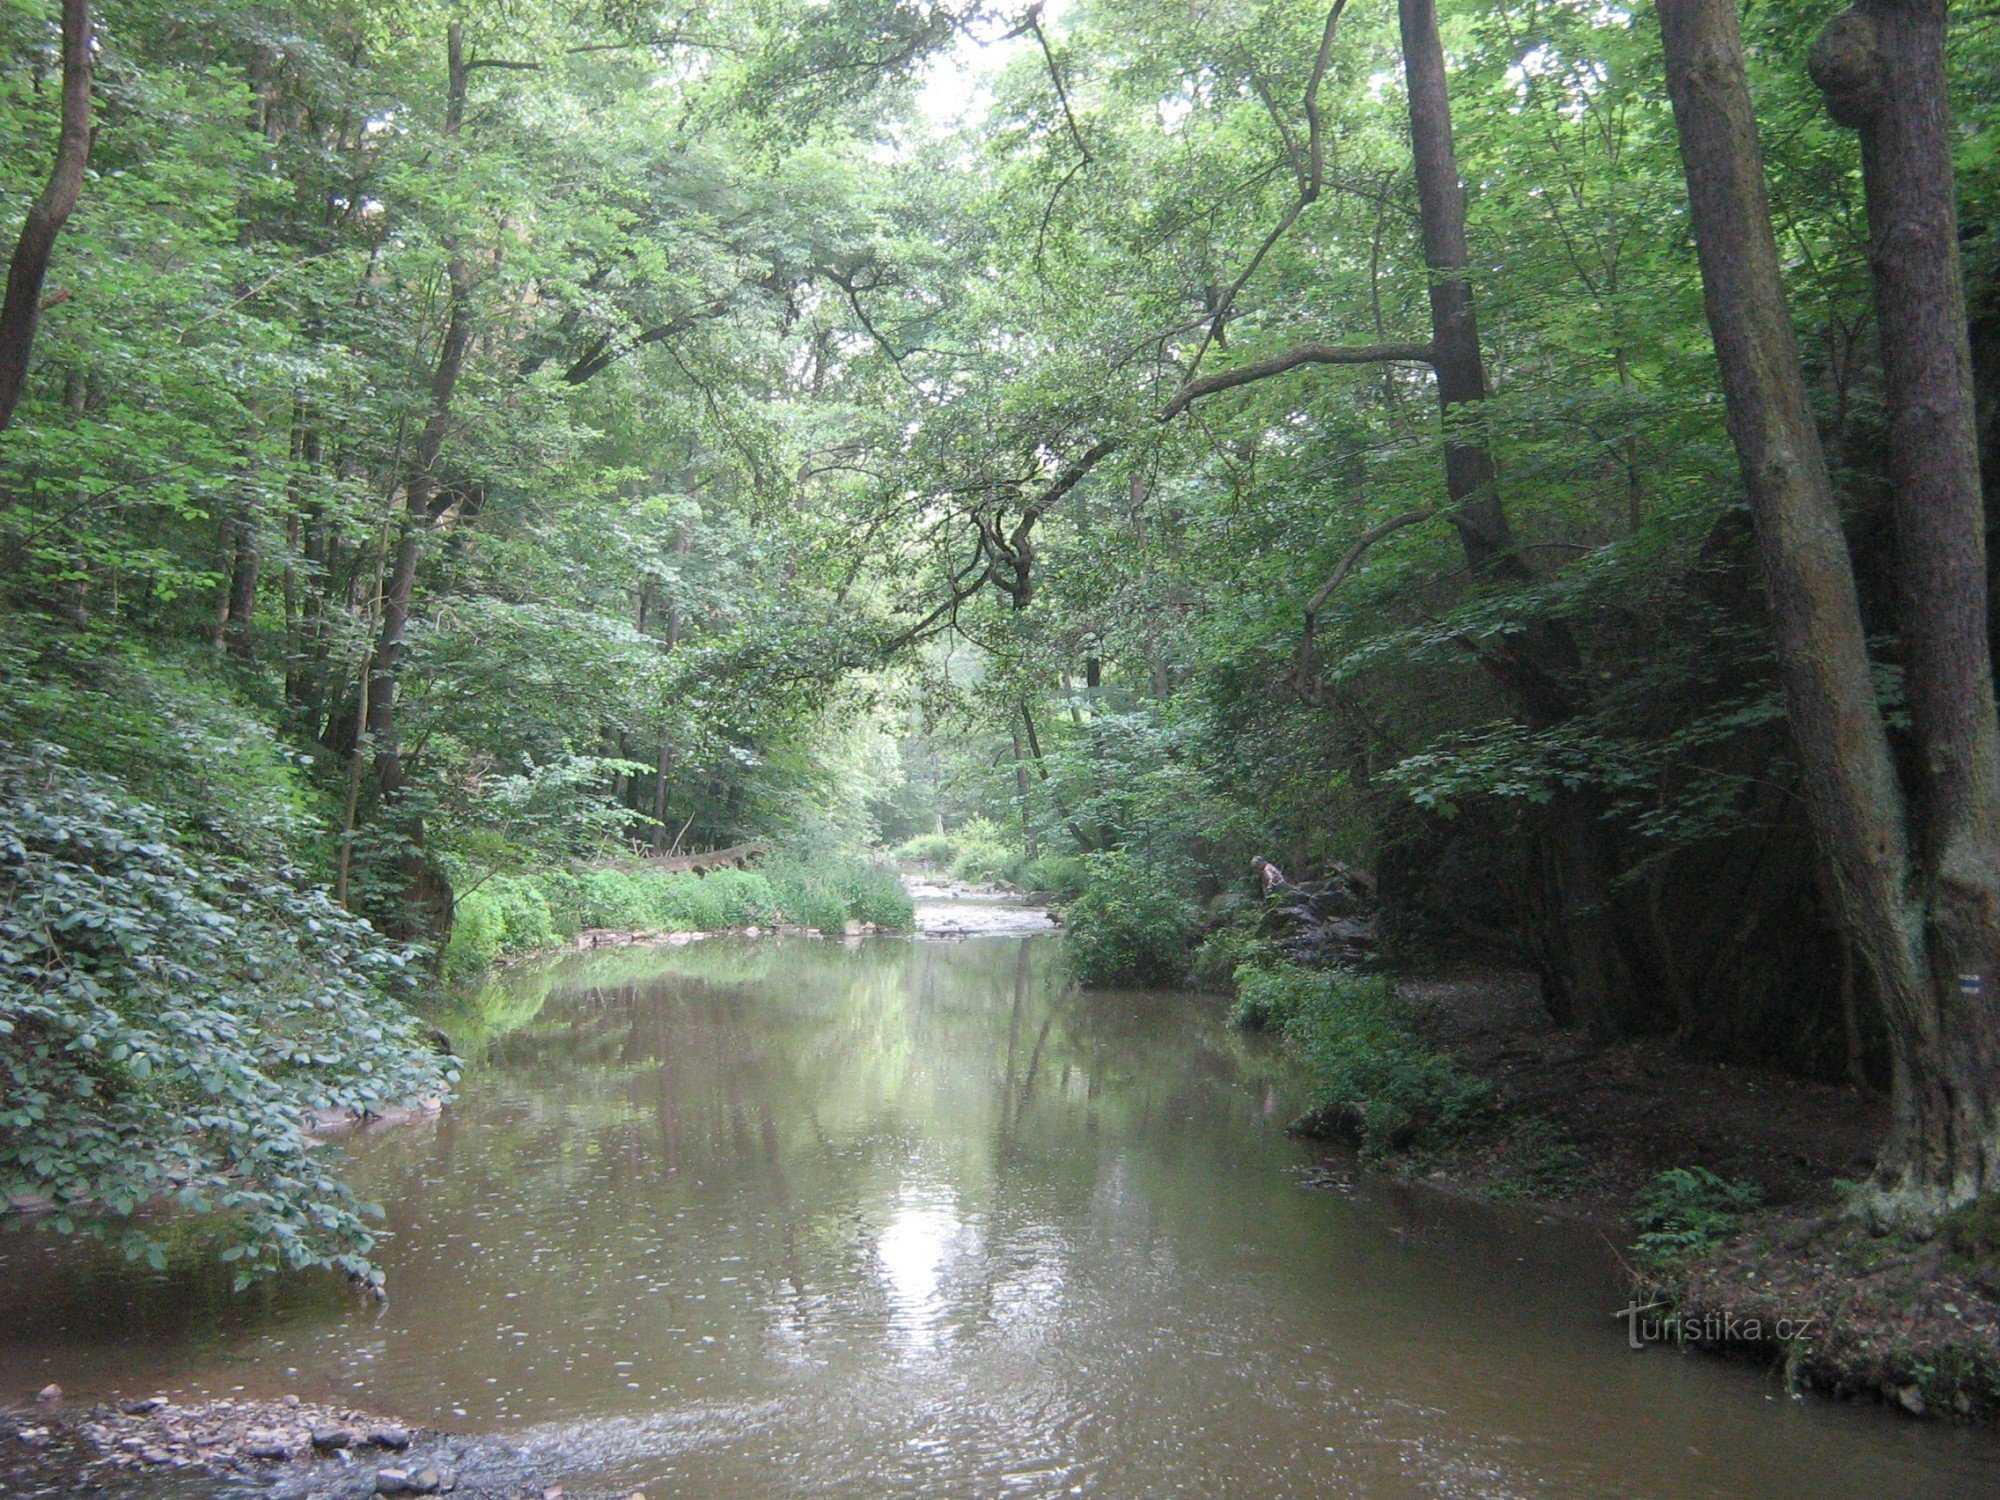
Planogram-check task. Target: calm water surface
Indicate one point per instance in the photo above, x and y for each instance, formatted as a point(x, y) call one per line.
point(789, 1217)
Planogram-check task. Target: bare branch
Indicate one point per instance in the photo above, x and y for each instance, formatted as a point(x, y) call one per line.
point(1309, 182)
point(1348, 560)
point(1291, 359)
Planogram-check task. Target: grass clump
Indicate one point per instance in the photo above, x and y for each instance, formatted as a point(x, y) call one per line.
point(1541, 1164)
point(504, 916)
point(828, 891)
point(1374, 1077)
point(1132, 925)
point(1688, 1211)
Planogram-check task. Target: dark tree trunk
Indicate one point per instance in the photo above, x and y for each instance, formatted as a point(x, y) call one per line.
point(239, 623)
point(22, 308)
point(1022, 801)
point(1882, 65)
point(1587, 978)
point(1919, 911)
point(420, 484)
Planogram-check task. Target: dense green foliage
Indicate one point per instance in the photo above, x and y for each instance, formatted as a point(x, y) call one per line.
point(167, 1023)
point(471, 448)
point(1373, 1075)
point(508, 915)
point(1132, 924)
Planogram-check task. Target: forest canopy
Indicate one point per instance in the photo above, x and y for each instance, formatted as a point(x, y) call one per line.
point(449, 442)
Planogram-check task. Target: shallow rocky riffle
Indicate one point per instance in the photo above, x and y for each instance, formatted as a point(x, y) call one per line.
point(280, 1450)
point(954, 909)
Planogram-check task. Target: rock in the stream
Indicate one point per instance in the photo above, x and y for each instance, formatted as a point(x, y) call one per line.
point(266, 1445)
point(425, 1481)
point(329, 1439)
point(144, 1406)
point(48, 1395)
point(388, 1435)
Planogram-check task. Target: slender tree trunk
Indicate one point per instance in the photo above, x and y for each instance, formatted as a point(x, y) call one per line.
point(1925, 932)
point(239, 621)
point(1882, 65)
point(22, 308)
point(1022, 801)
point(420, 485)
point(1584, 970)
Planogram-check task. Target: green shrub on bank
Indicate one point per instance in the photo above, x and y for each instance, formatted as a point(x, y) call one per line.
point(168, 1017)
point(1372, 1073)
point(829, 891)
point(1061, 875)
point(501, 916)
point(1221, 954)
point(1133, 924)
point(982, 851)
point(937, 850)
point(1688, 1211)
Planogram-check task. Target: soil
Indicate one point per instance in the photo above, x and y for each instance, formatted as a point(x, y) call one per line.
point(1636, 1108)
point(1838, 1305)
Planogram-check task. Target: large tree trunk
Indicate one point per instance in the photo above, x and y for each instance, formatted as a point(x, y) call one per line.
point(22, 309)
point(1584, 970)
point(1936, 995)
point(1882, 65)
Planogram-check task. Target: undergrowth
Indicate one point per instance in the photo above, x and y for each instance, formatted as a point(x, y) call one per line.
point(1374, 1077)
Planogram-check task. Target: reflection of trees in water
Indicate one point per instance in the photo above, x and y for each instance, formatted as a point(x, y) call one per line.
point(808, 1094)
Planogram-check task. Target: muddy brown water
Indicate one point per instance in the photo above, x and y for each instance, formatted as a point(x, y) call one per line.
point(884, 1218)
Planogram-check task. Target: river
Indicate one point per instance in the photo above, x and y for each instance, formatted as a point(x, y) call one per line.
point(788, 1217)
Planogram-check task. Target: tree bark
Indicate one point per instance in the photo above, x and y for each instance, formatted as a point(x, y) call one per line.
point(1933, 968)
point(1021, 797)
point(1587, 977)
point(1882, 65)
point(420, 484)
point(22, 309)
point(239, 621)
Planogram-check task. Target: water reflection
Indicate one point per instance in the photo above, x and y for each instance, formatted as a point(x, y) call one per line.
point(916, 1250)
point(791, 1218)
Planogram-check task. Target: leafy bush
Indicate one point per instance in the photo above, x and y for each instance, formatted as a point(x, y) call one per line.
point(167, 1020)
point(478, 935)
point(983, 850)
point(503, 914)
point(826, 891)
point(510, 914)
point(1133, 924)
point(935, 849)
point(1371, 1070)
point(1216, 961)
point(615, 898)
point(1061, 875)
point(173, 735)
point(1687, 1212)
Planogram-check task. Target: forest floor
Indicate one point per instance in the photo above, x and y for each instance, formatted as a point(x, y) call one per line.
point(1842, 1307)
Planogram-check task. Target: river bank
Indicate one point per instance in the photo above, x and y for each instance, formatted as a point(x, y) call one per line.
point(1833, 1305)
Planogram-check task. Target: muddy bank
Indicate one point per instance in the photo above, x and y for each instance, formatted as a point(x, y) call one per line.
point(1833, 1305)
